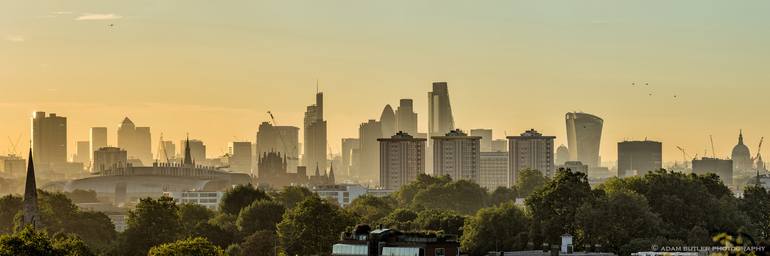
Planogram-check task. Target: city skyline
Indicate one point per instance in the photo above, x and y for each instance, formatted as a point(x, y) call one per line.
point(684, 51)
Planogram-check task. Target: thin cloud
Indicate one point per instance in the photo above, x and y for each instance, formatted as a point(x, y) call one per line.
point(15, 38)
point(98, 16)
point(61, 12)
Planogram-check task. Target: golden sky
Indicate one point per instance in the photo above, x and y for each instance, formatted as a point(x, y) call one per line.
point(214, 69)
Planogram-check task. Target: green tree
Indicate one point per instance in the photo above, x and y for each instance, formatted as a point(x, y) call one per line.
point(191, 215)
point(260, 215)
point(10, 205)
point(528, 181)
point(401, 219)
point(500, 228)
point(756, 204)
point(370, 209)
point(215, 234)
point(82, 196)
point(290, 196)
point(448, 222)
point(502, 195)
point(554, 205)
point(261, 243)
point(151, 223)
point(405, 195)
point(312, 227)
point(189, 247)
point(239, 197)
point(29, 242)
point(462, 196)
point(615, 219)
point(234, 250)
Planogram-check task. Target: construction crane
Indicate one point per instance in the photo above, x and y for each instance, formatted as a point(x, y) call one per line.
point(283, 140)
point(713, 152)
point(759, 149)
point(13, 146)
point(684, 156)
point(162, 149)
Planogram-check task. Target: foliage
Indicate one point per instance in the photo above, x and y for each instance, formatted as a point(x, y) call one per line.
point(502, 195)
point(405, 195)
point(190, 215)
point(30, 242)
point(234, 250)
point(10, 205)
point(756, 204)
point(261, 243)
point(189, 247)
point(462, 196)
point(260, 215)
point(500, 228)
point(239, 197)
point(528, 181)
point(401, 219)
point(312, 227)
point(555, 205)
point(614, 219)
point(215, 234)
point(82, 196)
point(290, 196)
point(152, 223)
point(370, 209)
point(440, 220)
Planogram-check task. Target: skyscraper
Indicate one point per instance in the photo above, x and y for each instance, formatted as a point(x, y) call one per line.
point(98, 139)
point(369, 160)
point(82, 155)
point(562, 155)
point(30, 195)
point(106, 158)
point(388, 122)
point(486, 138)
point(137, 141)
point(240, 156)
point(639, 157)
point(348, 145)
point(440, 119)
point(456, 154)
point(166, 151)
point(49, 140)
point(530, 150)
point(402, 158)
point(315, 135)
point(741, 156)
point(282, 139)
point(493, 170)
point(584, 133)
point(406, 118)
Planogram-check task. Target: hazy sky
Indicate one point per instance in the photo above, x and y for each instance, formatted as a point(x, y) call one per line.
point(214, 68)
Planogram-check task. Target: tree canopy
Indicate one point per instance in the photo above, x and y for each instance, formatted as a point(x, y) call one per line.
point(189, 247)
point(312, 227)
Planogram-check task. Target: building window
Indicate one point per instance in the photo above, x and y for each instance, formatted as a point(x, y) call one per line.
point(440, 252)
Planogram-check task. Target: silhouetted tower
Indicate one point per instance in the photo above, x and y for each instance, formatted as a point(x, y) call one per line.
point(388, 122)
point(30, 195)
point(406, 118)
point(315, 134)
point(187, 156)
point(440, 120)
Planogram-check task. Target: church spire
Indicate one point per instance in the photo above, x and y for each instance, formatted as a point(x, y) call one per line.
point(331, 174)
point(30, 194)
point(740, 137)
point(187, 155)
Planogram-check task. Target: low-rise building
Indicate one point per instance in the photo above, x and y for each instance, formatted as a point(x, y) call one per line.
point(208, 199)
point(381, 242)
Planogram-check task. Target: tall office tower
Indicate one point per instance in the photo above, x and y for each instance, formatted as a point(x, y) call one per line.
point(456, 154)
point(49, 140)
point(388, 122)
point(562, 155)
point(493, 170)
point(280, 139)
point(486, 138)
point(240, 156)
point(402, 158)
point(530, 150)
point(721, 167)
point(406, 118)
point(197, 150)
point(137, 141)
point(369, 155)
point(639, 157)
point(107, 158)
point(500, 145)
point(82, 155)
point(348, 145)
point(440, 120)
point(315, 135)
point(741, 156)
point(30, 214)
point(98, 138)
point(584, 134)
point(166, 151)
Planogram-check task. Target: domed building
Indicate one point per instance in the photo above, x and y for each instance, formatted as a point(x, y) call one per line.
point(741, 156)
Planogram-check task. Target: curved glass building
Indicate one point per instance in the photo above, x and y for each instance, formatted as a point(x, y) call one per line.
point(584, 134)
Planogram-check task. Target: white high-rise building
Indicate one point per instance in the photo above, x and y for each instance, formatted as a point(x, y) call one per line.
point(531, 150)
point(493, 170)
point(486, 138)
point(456, 154)
point(402, 158)
point(137, 141)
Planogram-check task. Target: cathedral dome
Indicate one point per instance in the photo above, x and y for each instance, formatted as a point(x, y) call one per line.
point(741, 156)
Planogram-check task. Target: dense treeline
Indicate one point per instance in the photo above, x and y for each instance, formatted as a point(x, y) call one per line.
point(621, 216)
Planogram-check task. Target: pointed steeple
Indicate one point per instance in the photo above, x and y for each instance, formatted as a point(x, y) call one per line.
point(740, 137)
point(317, 173)
point(331, 173)
point(187, 155)
point(30, 194)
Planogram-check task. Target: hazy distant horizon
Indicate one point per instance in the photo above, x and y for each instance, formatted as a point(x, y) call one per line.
point(213, 71)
